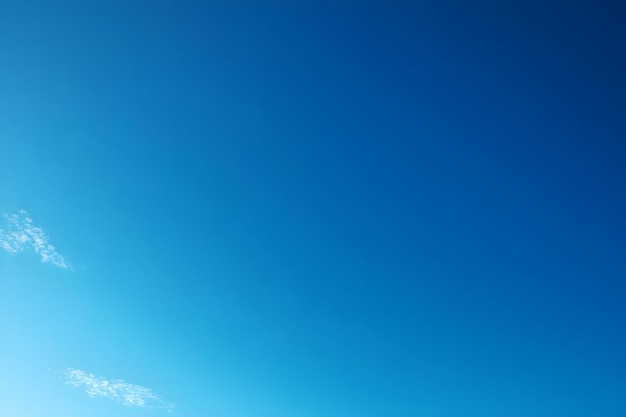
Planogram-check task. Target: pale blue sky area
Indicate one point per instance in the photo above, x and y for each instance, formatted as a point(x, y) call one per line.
point(312, 209)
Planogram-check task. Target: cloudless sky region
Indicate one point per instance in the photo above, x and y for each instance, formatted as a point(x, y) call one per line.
point(312, 208)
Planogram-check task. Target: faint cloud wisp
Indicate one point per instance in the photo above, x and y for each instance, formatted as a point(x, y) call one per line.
point(21, 235)
point(128, 394)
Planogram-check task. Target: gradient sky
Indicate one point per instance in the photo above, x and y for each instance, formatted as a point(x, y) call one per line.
point(312, 208)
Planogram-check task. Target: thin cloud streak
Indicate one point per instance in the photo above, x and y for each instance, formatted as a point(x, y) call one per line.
point(130, 395)
point(22, 235)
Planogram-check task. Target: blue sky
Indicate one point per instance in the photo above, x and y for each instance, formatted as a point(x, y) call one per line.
point(312, 208)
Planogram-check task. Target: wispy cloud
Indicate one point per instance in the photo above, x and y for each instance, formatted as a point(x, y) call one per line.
point(22, 235)
point(128, 394)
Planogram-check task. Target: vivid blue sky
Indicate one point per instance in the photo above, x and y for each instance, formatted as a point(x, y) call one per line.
point(312, 208)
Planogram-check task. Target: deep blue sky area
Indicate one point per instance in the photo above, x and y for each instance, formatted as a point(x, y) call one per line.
point(312, 208)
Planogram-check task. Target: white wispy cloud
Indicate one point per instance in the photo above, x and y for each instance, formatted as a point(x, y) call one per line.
point(22, 235)
point(130, 395)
